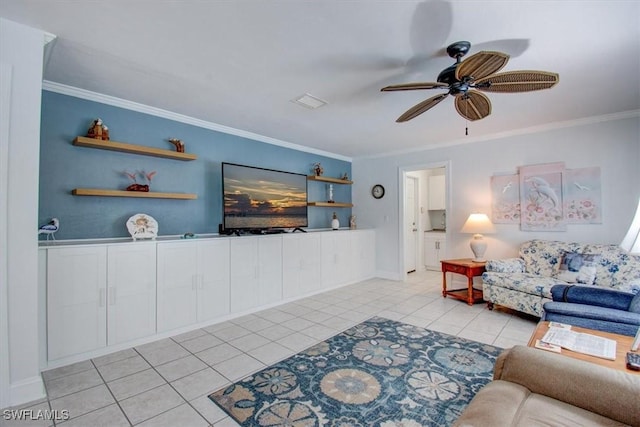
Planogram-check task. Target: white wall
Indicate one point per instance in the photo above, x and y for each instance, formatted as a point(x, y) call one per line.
point(612, 145)
point(21, 52)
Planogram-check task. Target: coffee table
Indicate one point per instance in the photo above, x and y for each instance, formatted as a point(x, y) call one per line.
point(622, 347)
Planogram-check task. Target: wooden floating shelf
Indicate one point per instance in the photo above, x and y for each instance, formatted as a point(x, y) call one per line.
point(331, 180)
point(330, 205)
point(139, 194)
point(83, 141)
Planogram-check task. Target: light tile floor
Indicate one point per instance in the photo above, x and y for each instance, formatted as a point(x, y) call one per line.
point(166, 382)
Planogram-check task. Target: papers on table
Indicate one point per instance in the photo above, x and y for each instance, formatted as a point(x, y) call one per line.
point(581, 342)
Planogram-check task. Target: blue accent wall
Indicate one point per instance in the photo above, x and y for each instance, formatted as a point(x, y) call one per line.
point(64, 167)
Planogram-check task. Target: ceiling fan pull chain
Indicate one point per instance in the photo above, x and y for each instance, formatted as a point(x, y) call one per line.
point(466, 113)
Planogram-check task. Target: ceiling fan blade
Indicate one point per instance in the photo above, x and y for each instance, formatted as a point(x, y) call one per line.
point(517, 81)
point(481, 65)
point(420, 108)
point(415, 86)
point(473, 106)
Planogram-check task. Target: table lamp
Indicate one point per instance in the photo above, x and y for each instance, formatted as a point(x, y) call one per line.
point(478, 224)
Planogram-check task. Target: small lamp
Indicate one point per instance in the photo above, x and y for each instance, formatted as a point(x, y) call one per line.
point(478, 224)
point(631, 242)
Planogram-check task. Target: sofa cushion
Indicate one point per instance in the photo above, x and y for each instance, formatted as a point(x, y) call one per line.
point(592, 295)
point(524, 282)
point(634, 307)
point(591, 312)
point(542, 257)
point(541, 410)
point(631, 286)
point(508, 265)
point(578, 268)
point(503, 403)
point(616, 269)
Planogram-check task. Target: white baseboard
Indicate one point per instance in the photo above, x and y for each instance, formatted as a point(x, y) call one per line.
point(389, 275)
point(26, 390)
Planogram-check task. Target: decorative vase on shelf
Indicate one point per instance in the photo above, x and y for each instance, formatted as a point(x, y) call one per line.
point(335, 224)
point(352, 222)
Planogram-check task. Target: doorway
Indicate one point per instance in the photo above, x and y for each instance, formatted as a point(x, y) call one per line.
point(423, 207)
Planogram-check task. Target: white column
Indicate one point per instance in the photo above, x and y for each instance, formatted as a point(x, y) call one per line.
point(21, 52)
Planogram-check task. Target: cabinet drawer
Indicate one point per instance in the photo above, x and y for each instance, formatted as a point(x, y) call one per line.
point(455, 269)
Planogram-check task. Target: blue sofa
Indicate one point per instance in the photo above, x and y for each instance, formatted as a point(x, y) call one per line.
point(594, 308)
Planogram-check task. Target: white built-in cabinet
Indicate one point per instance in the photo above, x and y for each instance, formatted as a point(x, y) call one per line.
point(76, 300)
point(437, 192)
point(193, 282)
point(337, 259)
point(435, 249)
point(256, 272)
point(99, 296)
point(301, 265)
point(363, 250)
point(131, 292)
point(115, 294)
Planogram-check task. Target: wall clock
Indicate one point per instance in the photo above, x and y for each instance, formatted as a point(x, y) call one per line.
point(377, 191)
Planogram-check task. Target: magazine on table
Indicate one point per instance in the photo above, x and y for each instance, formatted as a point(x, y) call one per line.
point(582, 343)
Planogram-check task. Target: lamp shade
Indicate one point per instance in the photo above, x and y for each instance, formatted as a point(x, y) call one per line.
point(631, 242)
point(478, 223)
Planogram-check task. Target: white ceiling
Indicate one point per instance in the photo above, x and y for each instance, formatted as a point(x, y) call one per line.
point(240, 63)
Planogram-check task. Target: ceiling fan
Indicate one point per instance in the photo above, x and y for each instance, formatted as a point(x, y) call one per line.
point(466, 79)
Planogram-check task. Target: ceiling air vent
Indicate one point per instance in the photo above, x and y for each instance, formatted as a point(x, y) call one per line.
point(309, 101)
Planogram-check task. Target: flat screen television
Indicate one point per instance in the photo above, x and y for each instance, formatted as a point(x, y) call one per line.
point(263, 199)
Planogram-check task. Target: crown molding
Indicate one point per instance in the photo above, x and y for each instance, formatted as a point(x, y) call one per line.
point(158, 112)
point(516, 132)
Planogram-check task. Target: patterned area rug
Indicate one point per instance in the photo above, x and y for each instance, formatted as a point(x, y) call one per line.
point(378, 373)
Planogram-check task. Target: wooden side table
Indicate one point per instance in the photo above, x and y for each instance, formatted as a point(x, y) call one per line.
point(469, 268)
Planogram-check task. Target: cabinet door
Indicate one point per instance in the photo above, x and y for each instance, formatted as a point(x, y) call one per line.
point(431, 252)
point(213, 285)
point(301, 264)
point(177, 281)
point(244, 273)
point(437, 192)
point(76, 300)
point(131, 292)
point(442, 250)
point(336, 256)
point(363, 246)
point(269, 269)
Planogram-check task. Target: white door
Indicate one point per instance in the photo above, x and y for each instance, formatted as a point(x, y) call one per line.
point(131, 292)
point(411, 224)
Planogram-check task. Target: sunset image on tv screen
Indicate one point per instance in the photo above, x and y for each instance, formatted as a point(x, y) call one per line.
point(261, 198)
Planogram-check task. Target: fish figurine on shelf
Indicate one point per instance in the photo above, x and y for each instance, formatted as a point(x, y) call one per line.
point(50, 228)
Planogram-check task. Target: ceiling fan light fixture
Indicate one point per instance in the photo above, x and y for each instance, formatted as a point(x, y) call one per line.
point(466, 80)
point(309, 101)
